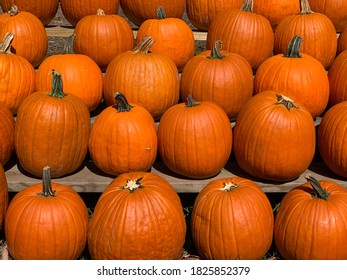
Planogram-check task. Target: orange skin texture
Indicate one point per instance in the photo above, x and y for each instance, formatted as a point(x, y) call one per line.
point(337, 80)
point(46, 228)
point(309, 228)
point(196, 141)
point(236, 224)
point(4, 198)
point(81, 77)
point(102, 37)
point(7, 124)
point(342, 41)
point(147, 223)
point(122, 142)
point(272, 142)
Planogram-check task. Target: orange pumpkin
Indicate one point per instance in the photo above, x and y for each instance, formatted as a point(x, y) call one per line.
point(7, 124)
point(4, 197)
point(138, 216)
point(342, 41)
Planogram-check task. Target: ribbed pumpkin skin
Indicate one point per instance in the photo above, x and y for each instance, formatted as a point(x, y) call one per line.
point(42, 228)
point(147, 223)
point(342, 41)
point(75, 10)
point(232, 224)
point(102, 37)
point(307, 227)
point(272, 142)
point(201, 12)
point(122, 142)
point(7, 124)
point(45, 10)
point(81, 77)
point(331, 141)
point(4, 198)
point(337, 79)
point(195, 141)
point(30, 40)
point(138, 11)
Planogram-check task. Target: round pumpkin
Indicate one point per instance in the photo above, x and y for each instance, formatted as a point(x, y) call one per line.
point(138, 216)
point(123, 138)
point(241, 229)
point(102, 36)
point(310, 222)
point(195, 138)
point(342, 41)
point(4, 197)
point(298, 74)
point(146, 78)
point(243, 32)
point(46, 221)
point(173, 37)
point(7, 124)
point(17, 76)
point(52, 128)
point(218, 76)
point(31, 41)
point(274, 137)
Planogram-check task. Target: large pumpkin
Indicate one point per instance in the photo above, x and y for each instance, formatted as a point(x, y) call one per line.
point(138, 216)
point(7, 124)
point(4, 197)
point(274, 137)
point(311, 222)
point(52, 128)
point(46, 221)
point(298, 74)
point(123, 138)
point(241, 229)
point(195, 138)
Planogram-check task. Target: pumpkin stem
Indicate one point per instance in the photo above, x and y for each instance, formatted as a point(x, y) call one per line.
point(100, 12)
point(247, 6)
point(286, 101)
point(13, 11)
point(305, 7)
point(144, 45)
point(68, 45)
point(293, 50)
point(46, 183)
point(6, 43)
point(57, 85)
point(161, 13)
point(228, 187)
point(191, 102)
point(319, 191)
point(132, 185)
point(215, 52)
point(122, 103)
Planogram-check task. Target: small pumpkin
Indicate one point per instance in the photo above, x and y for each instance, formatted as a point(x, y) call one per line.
point(310, 222)
point(4, 197)
point(138, 216)
point(46, 221)
point(7, 124)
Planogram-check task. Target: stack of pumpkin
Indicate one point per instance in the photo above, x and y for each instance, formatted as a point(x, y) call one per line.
point(264, 71)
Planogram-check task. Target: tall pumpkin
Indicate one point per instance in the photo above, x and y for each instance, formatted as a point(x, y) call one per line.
point(298, 74)
point(243, 32)
point(274, 137)
point(138, 216)
point(241, 229)
point(52, 128)
point(4, 197)
point(7, 124)
point(46, 221)
point(145, 78)
point(195, 138)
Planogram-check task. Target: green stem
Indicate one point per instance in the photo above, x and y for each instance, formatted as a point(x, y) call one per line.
point(215, 52)
point(122, 103)
point(46, 183)
point(293, 50)
point(191, 102)
point(319, 191)
point(57, 85)
point(161, 13)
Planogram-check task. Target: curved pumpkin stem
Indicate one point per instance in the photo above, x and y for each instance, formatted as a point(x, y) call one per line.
point(57, 85)
point(319, 191)
point(6, 43)
point(132, 185)
point(191, 102)
point(247, 6)
point(305, 7)
point(100, 12)
point(122, 103)
point(228, 187)
point(161, 13)
point(13, 11)
point(285, 101)
point(293, 50)
point(46, 183)
point(144, 45)
point(215, 52)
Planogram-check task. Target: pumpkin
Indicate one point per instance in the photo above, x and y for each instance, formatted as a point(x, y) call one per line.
point(138, 216)
point(195, 138)
point(46, 221)
point(43, 9)
point(31, 41)
point(17, 76)
point(81, 75)
point(201, 12)
point(123, 138)
point(297, 74)
point(218, 76)
point(146, 78)
point(75, 10)
point(173, 37)
point(138, 11)
point(4, 197)
point(342, 41)
point(274, 137)
point(316, 29)
point(102, 37)
point(310, 222)
point(52, 128)
point(241, 229)
point(7, 124)
point(243, 32)
point(331, 139)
